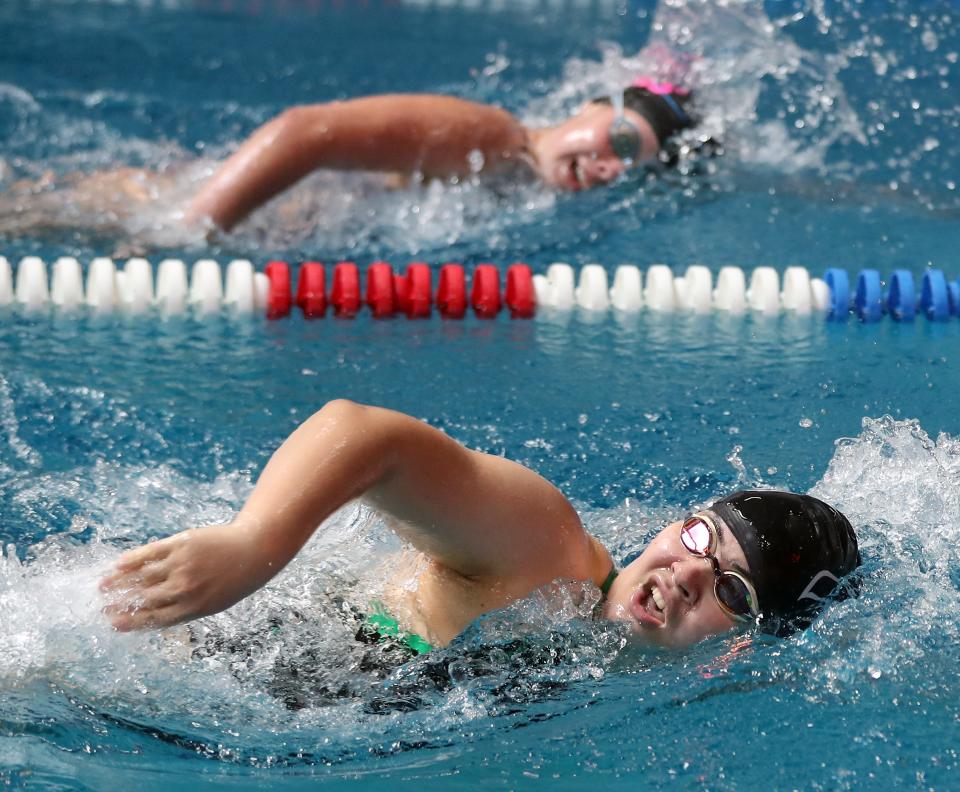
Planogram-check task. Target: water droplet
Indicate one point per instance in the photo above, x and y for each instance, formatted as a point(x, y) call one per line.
point(806, 423)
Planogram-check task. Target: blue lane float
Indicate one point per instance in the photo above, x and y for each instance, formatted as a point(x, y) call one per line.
point(838, 282)
point(934, 296)
point(869, 297)
point(902, 297)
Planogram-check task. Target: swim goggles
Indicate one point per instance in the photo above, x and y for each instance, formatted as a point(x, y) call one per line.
point(735, 594)
point(625, 140)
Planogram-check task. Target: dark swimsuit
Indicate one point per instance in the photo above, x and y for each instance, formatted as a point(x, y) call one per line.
point(299, 678)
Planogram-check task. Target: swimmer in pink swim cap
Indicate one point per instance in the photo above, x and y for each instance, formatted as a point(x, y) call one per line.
point(438, 137)
point(427, 136)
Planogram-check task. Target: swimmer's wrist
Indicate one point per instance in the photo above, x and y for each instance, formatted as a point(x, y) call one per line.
point(275, 542)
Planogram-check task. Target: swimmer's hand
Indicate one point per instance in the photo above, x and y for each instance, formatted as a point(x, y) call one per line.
point(188, 575)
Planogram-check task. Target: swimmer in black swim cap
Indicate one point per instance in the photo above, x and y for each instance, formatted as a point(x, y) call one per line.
point(484, 532)
point(756, 556)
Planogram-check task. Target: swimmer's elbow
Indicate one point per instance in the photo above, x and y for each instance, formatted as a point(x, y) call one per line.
point(357, 419)
point(341, 410)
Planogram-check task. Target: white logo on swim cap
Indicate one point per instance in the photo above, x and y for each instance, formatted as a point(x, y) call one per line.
point(808, 591)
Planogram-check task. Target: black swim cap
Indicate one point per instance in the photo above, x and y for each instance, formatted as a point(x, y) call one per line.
point(797, 548)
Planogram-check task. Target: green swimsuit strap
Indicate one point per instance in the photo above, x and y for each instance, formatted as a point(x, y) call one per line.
point(386, 625)
point(608, 581)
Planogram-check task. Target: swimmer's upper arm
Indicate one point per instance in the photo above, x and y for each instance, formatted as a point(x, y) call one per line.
point(405, 133)
point(427, 133)
point(478, 514)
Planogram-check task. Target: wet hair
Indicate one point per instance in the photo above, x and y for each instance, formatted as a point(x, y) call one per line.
point(798, 549)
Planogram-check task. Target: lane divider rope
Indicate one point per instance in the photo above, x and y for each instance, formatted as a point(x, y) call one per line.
point(206, 290)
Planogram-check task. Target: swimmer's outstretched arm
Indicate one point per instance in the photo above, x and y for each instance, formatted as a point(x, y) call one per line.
point(399, 133)
point(480, 516)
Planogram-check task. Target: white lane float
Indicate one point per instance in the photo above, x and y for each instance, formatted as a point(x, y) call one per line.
point(593, 292)
point(697, 291)
point(626, 294)
point(32, 291)
point(763, 296)
point(206, 287)
point(660, 293)
point(560, 276)
point(6, 282)
point(102, 285)
point(136, 286)
point(731, 292)
point(172, 287)
point(240, 291)
point(66, 283)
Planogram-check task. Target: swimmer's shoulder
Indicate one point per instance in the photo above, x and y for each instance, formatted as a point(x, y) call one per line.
point(494, 131)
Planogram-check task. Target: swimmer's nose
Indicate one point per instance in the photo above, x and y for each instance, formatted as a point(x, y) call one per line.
point(691, 576)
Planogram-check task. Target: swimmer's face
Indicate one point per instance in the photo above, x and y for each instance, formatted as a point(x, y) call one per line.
point(683, 582)
point(577, 155)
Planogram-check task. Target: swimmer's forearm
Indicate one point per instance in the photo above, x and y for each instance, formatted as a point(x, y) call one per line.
point(269, 162)
point(332, 458)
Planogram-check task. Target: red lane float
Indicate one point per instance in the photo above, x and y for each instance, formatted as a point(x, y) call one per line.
point(279, 297)
point(345, 295)
point(520, 297)
point(452, 292)
point(380, 289)
point(312, 289)
point(418, 291)
point(401, 293)
point(485, 295)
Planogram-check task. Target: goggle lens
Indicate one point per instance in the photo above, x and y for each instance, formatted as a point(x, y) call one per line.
point(697, 537)
point(624, 140)
point(733, 594)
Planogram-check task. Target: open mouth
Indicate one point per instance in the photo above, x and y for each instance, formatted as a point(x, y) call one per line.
point(648, 605)
point(575, 175)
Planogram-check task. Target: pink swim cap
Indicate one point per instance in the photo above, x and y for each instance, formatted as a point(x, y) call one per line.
point(659, 88)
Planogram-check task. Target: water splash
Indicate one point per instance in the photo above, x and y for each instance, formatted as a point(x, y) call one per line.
point(294, 639)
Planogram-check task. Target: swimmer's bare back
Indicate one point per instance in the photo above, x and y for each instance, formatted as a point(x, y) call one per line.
point(101, 200)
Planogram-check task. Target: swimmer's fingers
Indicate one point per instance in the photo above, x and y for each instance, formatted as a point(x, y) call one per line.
point(142, 619)
point(147, 575)
point(148, 553)
point(159, 606)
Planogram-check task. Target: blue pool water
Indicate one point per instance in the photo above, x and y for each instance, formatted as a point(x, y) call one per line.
point(114, 430)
